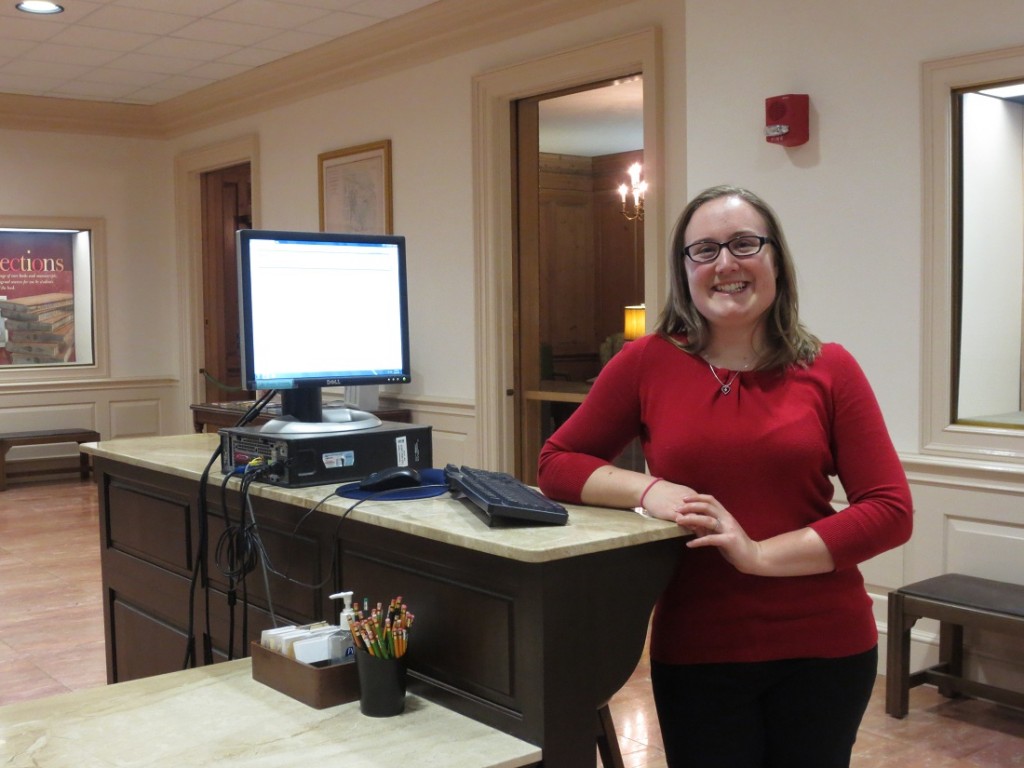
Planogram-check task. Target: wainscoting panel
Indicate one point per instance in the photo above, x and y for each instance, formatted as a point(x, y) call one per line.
point(453, 425)
point(113, 407)
point(23, 418)
point(985, 548)
point(135, 418)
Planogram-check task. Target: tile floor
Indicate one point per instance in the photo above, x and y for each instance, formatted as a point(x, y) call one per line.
point(51, 641)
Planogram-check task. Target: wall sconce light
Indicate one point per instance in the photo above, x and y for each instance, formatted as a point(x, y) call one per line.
point(638, 189)
point(635, 324)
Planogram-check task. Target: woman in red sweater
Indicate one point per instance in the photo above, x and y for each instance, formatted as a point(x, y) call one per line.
point(764, 646)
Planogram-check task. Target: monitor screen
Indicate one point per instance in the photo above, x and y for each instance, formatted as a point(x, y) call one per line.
point(321, 310)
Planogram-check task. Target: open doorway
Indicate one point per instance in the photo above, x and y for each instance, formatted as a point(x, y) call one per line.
point(226, 207)
point(495, 94)
point(579, 248)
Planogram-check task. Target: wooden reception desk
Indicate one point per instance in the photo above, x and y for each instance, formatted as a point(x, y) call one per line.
point(527, 629)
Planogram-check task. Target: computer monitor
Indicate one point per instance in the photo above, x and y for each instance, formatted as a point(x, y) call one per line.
point(321, 309)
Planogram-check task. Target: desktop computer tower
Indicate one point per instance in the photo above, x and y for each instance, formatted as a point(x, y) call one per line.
point(299, 460)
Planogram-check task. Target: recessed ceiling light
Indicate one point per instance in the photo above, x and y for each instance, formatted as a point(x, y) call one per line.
point(39, 6)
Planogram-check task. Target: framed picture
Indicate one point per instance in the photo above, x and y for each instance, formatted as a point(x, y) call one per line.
point(355, 189)
point(49, 293)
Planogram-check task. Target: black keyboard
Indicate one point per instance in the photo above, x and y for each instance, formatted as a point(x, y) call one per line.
point(502, 498)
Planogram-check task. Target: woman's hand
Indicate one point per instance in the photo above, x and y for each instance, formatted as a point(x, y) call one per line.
point(713, 526)
point(794, 553)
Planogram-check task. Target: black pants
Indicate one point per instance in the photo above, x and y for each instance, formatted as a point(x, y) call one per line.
point(797, 713)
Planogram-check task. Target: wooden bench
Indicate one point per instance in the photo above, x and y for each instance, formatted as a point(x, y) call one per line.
point(957, 601)
point(46, 437)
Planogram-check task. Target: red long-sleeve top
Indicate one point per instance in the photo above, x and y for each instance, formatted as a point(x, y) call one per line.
point(767, 451)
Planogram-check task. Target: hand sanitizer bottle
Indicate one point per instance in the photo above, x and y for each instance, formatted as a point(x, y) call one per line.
point(340, 643)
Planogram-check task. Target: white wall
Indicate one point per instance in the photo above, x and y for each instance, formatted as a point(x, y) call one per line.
point(127, 183)
point(857, 183)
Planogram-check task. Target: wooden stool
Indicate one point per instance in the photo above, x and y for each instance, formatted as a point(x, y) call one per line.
point(957, 601)
point(46, 437)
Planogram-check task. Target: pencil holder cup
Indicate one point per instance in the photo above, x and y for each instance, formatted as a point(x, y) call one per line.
point(381, 685)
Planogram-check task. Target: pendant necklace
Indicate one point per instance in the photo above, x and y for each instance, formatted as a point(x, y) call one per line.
point(726, 386)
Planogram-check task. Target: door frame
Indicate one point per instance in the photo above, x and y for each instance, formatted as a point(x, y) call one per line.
point(189, 168)
point(220, 285)
point(494, 273)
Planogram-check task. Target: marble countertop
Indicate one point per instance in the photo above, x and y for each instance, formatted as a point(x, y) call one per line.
point(218, 715)
point(590, 529)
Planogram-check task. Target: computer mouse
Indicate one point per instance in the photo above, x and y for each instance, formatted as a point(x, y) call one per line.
point(393, 477)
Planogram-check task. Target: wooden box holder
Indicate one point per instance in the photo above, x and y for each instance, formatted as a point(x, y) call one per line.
point(314, 686)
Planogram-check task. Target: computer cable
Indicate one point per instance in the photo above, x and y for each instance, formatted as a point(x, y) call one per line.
point(236, 554)
point(240, 548)
point(264, 556)
point(199, 567)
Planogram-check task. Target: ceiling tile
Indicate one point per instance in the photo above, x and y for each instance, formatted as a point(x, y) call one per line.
point(104, 39)
point(12, 82)
point(194, 8)
point(47, 69)
point(164, 64)
point(136, 20)
point(196, 50)
point(232, 32)
point(252, 56)
point(267, 13)
point(79, 89)
point(293, 42)
point(339, 24)
point(217, 70)
point(68, 54)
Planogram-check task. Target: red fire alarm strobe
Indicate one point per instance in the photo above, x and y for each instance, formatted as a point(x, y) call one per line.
point(786, 119)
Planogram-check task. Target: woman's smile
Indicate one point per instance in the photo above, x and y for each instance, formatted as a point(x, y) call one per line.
point(730, 288)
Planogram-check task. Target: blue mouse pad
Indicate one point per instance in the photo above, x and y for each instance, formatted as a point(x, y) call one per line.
point(432, 483)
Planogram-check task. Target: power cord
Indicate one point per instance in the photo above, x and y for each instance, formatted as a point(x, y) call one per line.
point(200, 575)
point(235, 554)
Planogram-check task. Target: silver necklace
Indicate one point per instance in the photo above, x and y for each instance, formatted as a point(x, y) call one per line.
point(726, 386)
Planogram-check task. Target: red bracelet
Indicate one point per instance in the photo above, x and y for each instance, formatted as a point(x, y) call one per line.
point(649, 486)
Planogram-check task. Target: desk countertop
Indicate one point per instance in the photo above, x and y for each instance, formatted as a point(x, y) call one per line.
point(218, 715)
point(589, 530)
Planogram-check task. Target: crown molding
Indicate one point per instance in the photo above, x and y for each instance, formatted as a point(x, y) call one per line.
point(429, 33)
point(39, 113)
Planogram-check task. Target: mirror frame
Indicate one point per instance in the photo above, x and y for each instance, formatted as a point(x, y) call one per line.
point(963, 301)
point(941, 433)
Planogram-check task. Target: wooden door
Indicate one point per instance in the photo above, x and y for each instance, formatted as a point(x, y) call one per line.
point(227, 207)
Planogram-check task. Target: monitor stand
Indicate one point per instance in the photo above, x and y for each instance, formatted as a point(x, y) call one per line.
point(302, 413)
point(335, 420)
